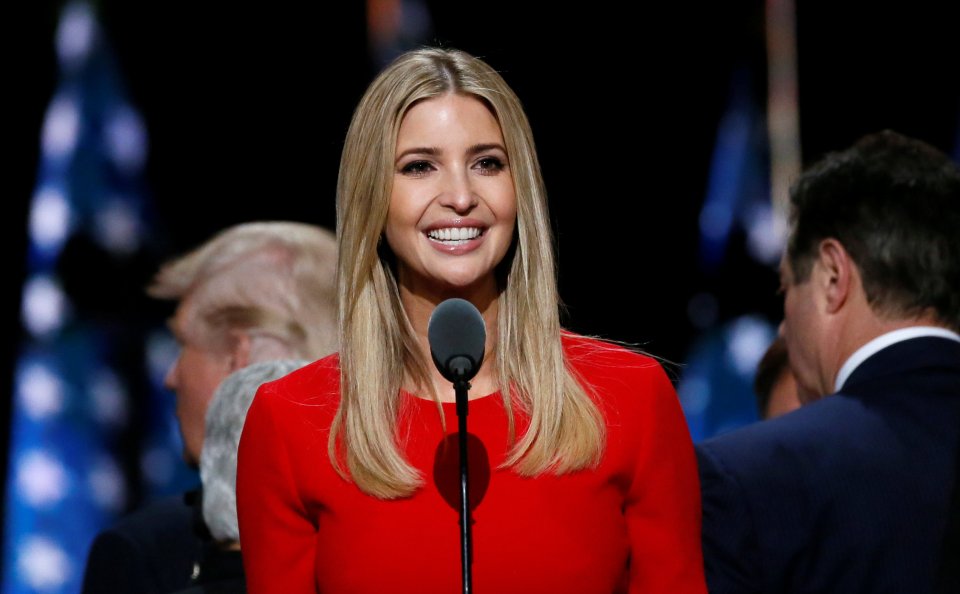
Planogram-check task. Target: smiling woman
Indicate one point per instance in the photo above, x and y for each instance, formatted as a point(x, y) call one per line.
point(453, 207)
point(583, 478)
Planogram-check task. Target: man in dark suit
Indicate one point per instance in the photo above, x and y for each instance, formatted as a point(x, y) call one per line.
point(255, 292)
point(852, 493)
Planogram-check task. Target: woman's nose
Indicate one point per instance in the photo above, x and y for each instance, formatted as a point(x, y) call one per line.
point(459, 193)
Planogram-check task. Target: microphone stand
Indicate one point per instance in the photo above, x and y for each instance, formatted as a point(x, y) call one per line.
point(457, 335)
point(461, 386)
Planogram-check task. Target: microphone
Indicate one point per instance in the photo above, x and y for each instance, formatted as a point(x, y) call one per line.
point(457, 338)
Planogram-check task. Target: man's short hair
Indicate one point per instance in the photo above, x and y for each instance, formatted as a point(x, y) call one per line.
point(273, 279)
point(894, 204)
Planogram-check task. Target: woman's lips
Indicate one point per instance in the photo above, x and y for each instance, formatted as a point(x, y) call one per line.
point(455, 239)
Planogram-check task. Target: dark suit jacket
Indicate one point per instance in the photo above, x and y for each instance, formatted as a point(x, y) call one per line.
point(849, 494)
point(221, 572)
point(150, 551)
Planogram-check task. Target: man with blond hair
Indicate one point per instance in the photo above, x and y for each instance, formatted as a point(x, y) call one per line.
point(255, 292)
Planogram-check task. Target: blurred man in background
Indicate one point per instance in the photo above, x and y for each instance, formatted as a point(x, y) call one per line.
point(852, 492)
point(255, 292)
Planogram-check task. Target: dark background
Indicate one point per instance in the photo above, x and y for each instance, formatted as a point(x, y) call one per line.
point(246, 109)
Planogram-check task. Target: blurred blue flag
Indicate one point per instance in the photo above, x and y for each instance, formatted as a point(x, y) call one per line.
point(738, 185)
point(716, 385)
point(83, 448)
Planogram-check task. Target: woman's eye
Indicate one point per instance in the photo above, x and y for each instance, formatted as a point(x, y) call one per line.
point(490, 164)
point(416, 168)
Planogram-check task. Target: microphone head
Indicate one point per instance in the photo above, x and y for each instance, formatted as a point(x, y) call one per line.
point(457, 338)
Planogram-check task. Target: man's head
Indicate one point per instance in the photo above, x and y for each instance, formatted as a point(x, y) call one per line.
point(254, 292)
point(874, 245)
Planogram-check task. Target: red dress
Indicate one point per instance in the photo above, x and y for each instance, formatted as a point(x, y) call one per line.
point(630, 525)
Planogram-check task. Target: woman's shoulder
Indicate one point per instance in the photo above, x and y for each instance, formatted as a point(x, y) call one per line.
point(585, 352)
point(315, 383)
point(617, 372)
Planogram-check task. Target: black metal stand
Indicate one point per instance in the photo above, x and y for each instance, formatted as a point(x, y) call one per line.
point(466, 539)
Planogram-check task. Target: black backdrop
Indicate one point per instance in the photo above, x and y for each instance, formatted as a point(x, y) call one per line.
point(246, 108)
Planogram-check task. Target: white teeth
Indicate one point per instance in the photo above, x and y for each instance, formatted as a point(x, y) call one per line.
point(454, 234)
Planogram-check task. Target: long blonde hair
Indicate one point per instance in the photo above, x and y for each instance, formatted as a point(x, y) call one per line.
point(378, 345)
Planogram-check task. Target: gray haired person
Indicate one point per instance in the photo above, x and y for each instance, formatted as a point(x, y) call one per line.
point(220, 568)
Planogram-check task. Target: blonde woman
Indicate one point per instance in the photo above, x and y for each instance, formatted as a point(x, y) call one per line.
point(583, 477)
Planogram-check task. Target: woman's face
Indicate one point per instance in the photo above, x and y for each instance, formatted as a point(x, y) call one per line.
point(453, 207)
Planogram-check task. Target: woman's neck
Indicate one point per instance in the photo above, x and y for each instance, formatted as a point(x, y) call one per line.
point(419, 309)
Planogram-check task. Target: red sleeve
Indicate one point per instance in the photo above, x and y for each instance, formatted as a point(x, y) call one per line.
point(276, 535)
point(663, 507)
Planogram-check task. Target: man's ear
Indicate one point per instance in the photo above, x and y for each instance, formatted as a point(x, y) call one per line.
point(239, 350)
point(839, 274)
